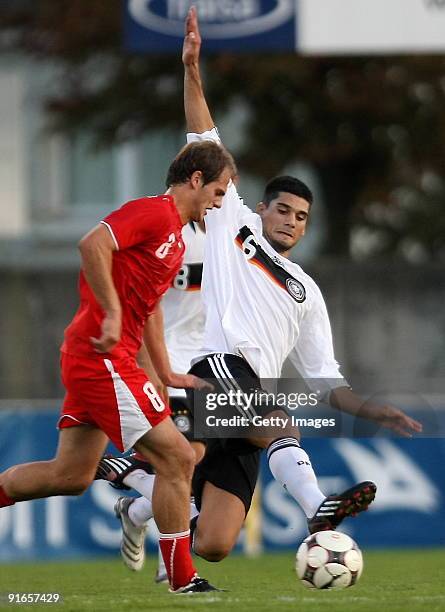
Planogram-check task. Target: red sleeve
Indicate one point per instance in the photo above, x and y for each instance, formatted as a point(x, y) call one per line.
point(139, 221)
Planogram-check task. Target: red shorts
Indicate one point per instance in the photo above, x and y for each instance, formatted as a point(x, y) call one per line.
point(114, 395)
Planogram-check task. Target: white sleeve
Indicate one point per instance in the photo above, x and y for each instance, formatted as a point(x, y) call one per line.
point(233, 210)
point(212, 134)
point(313, 354)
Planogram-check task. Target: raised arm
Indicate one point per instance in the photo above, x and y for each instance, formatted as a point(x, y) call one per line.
point(200, 125)
point(197, 112)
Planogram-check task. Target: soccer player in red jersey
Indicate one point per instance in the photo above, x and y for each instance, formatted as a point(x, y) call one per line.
point(128, 262)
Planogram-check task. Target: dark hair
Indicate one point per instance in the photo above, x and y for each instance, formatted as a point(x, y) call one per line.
point(286, 184)
point(207, 156)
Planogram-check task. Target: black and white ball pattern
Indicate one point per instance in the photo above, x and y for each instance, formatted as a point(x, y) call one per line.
point(329, 560)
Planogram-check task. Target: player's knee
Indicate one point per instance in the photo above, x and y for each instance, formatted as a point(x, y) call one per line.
point(75, 490)
point(185, 461)
point(178, 463)
point(212, 550)
point(212, 553)
point(75, 485)
point(70, 482)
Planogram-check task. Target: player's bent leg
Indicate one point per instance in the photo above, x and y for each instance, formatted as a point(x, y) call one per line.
point(63, 475)
point(291, 467)
point(160, 448)
point(134, 472)
point(161, 571)
point(173, 460)
point(219, 523)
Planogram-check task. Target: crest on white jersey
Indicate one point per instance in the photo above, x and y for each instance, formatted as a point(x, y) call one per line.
point(296, 289)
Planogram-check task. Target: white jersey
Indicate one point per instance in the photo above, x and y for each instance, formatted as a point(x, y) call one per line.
point(258, 304)
point(182, 306)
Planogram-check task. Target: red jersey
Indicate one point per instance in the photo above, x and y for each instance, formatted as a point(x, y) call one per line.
point(147, 233)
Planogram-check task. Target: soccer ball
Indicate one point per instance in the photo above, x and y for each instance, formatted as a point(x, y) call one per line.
point(329, 560)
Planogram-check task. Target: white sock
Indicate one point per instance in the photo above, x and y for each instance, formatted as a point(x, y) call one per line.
point(141, 482)
point(291, 467)
point(161, 563)
point(140, 511)
point(193, 509)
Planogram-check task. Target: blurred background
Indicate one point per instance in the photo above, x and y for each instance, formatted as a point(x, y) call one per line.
point(349, 95)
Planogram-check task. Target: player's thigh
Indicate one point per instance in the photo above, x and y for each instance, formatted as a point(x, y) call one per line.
point(220, 521)
point(79, 450)
point(166, 449)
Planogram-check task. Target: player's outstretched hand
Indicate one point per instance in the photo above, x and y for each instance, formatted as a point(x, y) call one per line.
point(111, 334)
point(399, 422)
point(188, 381)
point(192, 39)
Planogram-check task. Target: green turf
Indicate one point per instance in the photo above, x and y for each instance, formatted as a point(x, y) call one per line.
point(408, 581)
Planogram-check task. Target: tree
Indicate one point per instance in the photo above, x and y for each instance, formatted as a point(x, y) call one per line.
point(374, 127)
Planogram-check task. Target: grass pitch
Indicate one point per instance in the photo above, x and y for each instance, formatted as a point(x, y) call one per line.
point(392, 581)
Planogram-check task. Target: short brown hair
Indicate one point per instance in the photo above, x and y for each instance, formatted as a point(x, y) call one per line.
point(207, 156)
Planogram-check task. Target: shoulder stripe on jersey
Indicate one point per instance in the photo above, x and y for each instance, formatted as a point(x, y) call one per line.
point(257, 256)
point(112, 233)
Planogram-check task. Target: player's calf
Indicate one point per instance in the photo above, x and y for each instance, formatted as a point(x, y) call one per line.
point(43, 479)
point(173, 460)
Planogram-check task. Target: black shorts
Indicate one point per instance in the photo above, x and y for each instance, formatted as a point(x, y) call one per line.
point(236, 474)
point(231, 464)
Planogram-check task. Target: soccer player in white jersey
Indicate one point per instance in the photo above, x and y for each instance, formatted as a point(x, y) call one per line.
point(183, 315)
point(260, 309)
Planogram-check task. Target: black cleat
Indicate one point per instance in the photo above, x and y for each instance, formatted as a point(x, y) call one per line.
point(114, 469)
point(197, 585)
point(335, 508)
